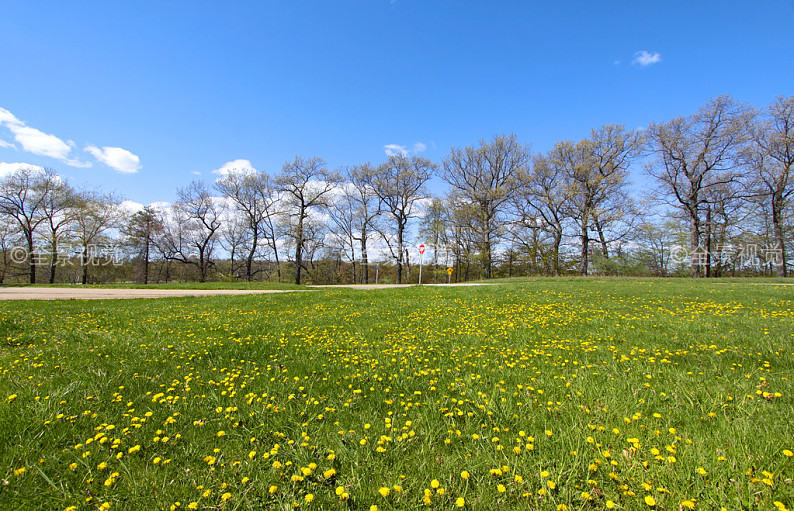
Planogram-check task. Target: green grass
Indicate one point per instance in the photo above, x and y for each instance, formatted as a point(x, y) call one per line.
point(175, 285)
point(612, 390)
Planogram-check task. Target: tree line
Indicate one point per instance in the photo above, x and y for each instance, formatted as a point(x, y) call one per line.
point(716, 184)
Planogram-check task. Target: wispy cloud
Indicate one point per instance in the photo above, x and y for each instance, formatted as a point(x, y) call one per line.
point(235, 166)
point(395, 149)
point(116, 158)
point(39, 143)
point(645, 58)
point(3, 143)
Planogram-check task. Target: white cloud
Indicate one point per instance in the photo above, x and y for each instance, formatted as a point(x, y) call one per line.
point(130, 207)
point(9, 168)
point(394, 150)
point(160, 205)
point(37, 142)
point(235, 166)
point(196, 172)
point(419, 147)
point(116, 158)
point(3, 143)
point(7, 117)
point(645, 58)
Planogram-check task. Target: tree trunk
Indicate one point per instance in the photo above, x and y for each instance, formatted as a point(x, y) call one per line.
point(249, 262)
point(585, 246)
point(53, 259)
point(777, 227)
point(708, 241)
point(602, 239)
point(487, 257)
point(31, 259)
point(694, 244)
point(299, 249)
point(146, 262)
point(557, 243)
point(85, 265)
point(364, 260)
point(400, 255)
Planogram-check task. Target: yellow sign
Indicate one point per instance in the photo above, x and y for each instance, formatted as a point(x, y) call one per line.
point(449, 271)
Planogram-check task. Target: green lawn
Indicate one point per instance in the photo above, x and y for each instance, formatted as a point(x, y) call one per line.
point(546, 394)
point(237, 284)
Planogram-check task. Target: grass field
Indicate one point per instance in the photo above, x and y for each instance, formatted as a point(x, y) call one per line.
point(175, 285)
point(553, 394)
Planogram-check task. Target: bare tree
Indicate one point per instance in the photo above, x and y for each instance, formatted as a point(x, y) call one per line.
point(94, 216)
point(306, 185)
point(235, 238)
point(434, 227)
point(365, 201)
point(255, 198)
point(192, 234)
point(485, 178)
point(10, 241)
point(58, 208)
point(399, 184)
point(613, 149)
point(695, 154)
point(541, 203)
point(596, 171)
point(141, 232)
point(23, 197)
point(771, 157)
point(352, 214)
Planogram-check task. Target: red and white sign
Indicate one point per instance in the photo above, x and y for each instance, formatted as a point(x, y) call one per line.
point(422, 248)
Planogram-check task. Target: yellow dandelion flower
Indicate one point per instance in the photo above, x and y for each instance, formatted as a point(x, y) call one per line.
point(460, 502)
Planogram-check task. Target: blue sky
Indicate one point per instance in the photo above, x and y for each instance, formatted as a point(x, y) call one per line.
point(143, 97)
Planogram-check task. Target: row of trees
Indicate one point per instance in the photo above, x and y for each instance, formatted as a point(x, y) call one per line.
point(718, 180)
